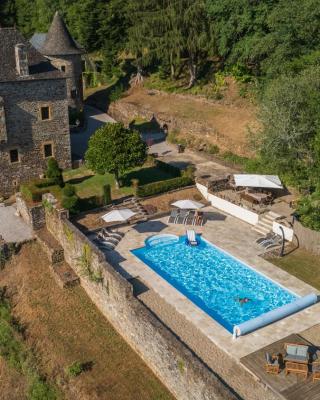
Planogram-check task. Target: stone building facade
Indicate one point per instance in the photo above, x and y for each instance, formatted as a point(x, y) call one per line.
point(65, 54)
point(34, 124)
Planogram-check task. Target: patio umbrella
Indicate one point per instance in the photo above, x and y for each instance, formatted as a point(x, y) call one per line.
point(188, 204)
point(258, 181)
point(123, 214)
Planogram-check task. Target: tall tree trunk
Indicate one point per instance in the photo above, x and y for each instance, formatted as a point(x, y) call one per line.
point(172, 68)
point(192, 73)
point(116, 178)
point(138, 78)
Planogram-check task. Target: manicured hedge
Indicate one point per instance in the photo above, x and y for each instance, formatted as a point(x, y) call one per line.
point(170, 169)
point(34, 190)
point(163, 186)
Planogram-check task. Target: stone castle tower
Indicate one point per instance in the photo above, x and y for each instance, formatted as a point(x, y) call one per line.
point(65, 54)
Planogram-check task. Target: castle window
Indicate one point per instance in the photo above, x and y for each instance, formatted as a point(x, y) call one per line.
point(45, 113)
point(63, 68)
point(47, 150)
point(14, 156)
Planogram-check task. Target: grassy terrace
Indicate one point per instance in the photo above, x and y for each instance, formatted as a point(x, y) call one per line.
point(302, 264)
point(63, 327)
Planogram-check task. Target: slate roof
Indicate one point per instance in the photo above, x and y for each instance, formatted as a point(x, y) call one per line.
point(38, 40)
point(39, 66)
point(58, 40)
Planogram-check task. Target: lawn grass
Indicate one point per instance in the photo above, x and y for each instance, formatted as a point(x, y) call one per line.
point(66, 328)
point(88, 184)
point(301, 264)
point(20, 358)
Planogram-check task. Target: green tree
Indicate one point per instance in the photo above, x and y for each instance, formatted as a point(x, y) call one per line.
point(54, 171)
point(115, 149)
point(7, 12)
point(290, 117)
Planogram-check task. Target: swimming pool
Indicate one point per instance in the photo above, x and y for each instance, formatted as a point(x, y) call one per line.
point(213, 279)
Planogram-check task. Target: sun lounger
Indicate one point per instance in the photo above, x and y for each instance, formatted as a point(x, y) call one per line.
point(110, 233)
point(268, 236)
point(191, 237)
point(182, 217)
point(190, 218)
point(270, 242)
point(173, 216)
point(104, 236)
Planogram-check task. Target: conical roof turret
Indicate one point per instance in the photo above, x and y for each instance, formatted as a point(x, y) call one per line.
point(58, 40)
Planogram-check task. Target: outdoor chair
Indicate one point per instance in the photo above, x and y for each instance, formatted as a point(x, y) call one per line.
point(272, 365)
point(316, 371)
point(173, 216)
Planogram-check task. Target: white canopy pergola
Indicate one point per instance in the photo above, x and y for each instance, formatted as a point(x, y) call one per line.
point(188, 204)
point(122, 214)
point(258, 181)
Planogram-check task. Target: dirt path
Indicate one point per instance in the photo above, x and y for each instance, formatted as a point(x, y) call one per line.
point(64, 326)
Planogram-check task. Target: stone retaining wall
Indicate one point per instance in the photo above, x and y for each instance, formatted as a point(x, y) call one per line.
point(33, 215)
point(308, 238)
point(185, 375)
point(126, 112)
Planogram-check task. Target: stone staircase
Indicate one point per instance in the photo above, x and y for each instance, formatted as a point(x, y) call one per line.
point(265, 223)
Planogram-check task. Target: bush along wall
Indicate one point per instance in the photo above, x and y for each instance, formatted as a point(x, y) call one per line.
point(164, 186)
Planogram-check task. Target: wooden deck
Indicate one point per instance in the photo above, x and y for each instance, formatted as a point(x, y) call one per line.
point(288, 387)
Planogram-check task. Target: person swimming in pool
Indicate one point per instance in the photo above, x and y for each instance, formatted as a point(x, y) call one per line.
point(243, 300)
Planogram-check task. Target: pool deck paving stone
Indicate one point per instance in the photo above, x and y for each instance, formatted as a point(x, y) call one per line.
point(237, 238)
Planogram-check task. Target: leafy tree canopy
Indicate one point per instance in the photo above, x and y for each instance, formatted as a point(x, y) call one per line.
point(115, 149)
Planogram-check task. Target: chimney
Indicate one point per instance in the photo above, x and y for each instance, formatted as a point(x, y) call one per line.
point(22, 59)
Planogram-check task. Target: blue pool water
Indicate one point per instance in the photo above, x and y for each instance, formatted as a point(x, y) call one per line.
point(213, 279)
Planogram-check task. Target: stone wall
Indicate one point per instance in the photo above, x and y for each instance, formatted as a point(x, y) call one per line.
point(125, 112)
point(186, 376)
point(27, 133)
point(33, 215)
point(73, 71)
point(308, 238)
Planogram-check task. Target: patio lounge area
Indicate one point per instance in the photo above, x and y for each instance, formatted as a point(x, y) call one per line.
point(290, 386)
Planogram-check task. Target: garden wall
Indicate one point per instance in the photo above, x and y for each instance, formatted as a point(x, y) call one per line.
point(239, 212)
point(33, 215)
point(176, 366)
point(308, 238)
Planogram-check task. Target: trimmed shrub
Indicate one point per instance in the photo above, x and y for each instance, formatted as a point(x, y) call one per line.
point(69, 190)
point(71, 203)
point(32, 192)
point(164, 186)
point(54, 171)
point(107, 194)
point(170, 169)
point(189, 171)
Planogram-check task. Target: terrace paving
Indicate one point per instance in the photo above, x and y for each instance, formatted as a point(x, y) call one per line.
point(237, 238)
point(12, 228)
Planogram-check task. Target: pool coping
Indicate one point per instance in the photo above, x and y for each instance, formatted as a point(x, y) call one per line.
point(236, 348)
